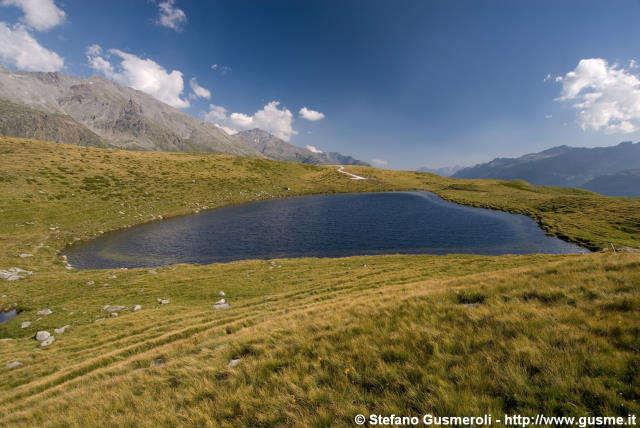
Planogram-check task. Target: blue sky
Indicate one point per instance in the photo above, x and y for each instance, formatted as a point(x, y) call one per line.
point(405, 83)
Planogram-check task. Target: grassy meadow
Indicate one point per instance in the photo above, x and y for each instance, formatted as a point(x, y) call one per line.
point(318, 340)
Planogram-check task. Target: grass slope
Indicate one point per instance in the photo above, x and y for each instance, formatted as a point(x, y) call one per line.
point(319, 340)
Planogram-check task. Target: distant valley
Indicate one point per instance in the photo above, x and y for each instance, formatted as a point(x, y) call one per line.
point(98, 112)
point(613, 171)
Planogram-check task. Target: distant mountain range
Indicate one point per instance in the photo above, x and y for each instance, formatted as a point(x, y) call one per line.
point(446, 171)
point(611, 170)
point(98, 112)
point(275, 148)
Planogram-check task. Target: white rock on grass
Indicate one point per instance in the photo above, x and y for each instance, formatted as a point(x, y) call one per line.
point(90, 282)
point(113, 314)
point(113, 308)
point(233, 363)
point(137, 307)
point(48, 341)
point(221, 293)
point(221, 301)
point(221, 306)
point(153, 271)
point(14, 273)
point(163, 301)
point(25, 324)
point(42, 335)
point(45, 312)
point(13, 364)
point(61, 329)
point(25, 255)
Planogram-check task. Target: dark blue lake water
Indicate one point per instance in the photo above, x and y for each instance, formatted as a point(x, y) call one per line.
point(320, 226)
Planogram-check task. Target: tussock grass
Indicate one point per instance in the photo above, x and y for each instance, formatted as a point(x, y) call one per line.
point(319, 340)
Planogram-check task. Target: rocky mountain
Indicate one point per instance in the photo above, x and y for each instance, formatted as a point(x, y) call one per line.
point(566, 166)
point(446, 171)
point(99, 112)
point(623, 183)
point(276, 148)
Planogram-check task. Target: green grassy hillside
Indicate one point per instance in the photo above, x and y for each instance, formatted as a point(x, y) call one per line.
point(318, 340)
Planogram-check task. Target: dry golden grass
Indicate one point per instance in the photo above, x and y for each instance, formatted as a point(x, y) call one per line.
point(319, 340)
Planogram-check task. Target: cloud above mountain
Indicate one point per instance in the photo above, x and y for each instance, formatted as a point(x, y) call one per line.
point(143, 74)
point(606, 96)
point(311, 115)
point(20, 49)
point(271, 118)
point(313, 149)
point(171, 16)
point(41, 15)
point(197, 90)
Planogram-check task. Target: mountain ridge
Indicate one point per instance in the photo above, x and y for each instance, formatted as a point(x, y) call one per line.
point(276, 148)
point(563, 166)
point(99, 112)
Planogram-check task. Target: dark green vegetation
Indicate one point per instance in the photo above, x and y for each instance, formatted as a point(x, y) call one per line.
point(319, 340)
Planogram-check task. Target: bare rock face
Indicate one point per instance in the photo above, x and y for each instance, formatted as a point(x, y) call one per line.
point(42, 335)
point(100, 113)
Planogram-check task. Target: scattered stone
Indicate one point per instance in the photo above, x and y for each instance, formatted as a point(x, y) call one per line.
point(153, 271)
point(112, 276)
point(221, 301)
point(137, 307)
point(4, 296)
point(364, 265)
point(157, 362)
point(25, 324)
point(163, 301)
point(221, 293)
point(42, 335)
point(5, 340)
point(90, 282)
point(233, 363)
point(13, 364)
point(45, 312)
point(110, 308)
point(221, 306)
point(99, 319)
point(61, 329)
point(25, 255)
point(14, 273)
point(48, 341)
point(113, 314)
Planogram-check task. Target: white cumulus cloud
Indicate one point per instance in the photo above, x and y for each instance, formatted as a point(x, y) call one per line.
point(607, 97)
point(142, 74)
point(41, 15)
point(313, 149)
point(170, 16)
point(379, 162)
point(312, 115)
point(216, 114)
point(20, 49)
point(271, 118)
point(198, 91)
